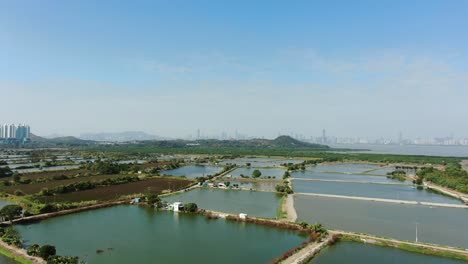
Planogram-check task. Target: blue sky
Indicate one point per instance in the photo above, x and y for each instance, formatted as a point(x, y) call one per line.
point(356, 68)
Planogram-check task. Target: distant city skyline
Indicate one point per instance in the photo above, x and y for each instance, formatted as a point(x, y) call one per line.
point(357, 68)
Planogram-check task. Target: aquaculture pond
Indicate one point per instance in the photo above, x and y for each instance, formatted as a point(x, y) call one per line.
point(261, 204)
point(353, 252)
point(342, 177)
point(133, 234)
point(193, 171)
point(438, 225)
point(266, 186)
point(261, 162)
point(372, 190)
point(344, 167)
point(277, 173)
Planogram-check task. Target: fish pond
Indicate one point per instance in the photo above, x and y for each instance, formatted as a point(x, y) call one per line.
point(260, 204)
point(353, 252)
point(342, 177)
point(261, 162)
point(133, 234)
point(344, 167)
point(438, 225)
point(373, 190)
point(266, 172)
point(193, 171)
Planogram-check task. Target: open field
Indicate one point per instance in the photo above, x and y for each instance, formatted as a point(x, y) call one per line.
point(37, 187)
point(115, 191)
point(48, 174)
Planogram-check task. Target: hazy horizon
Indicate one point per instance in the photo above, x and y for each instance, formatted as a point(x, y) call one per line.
point(357, 69)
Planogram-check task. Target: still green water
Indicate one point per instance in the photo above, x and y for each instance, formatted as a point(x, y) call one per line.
point(277, 173)
point(193, 171)
point(372, 190)
point(353, 252)
point(133, 234)
point(261, 204)
point(438, 225)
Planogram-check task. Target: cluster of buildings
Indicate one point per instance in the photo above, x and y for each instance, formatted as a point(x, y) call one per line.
point(12, 132)
point(445, 141)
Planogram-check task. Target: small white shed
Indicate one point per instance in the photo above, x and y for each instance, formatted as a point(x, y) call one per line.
point(178, 206)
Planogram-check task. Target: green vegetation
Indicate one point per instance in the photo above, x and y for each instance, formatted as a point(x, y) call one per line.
point(153, 199)
point(453, 177)
point(46, 251)
point(284, 188)
point(191, 207)
point(109, 167)
point(11, 211)
point(62, 260)
point(5, 172)
point(11, 236)
point(407, 247)
point(15, 257)
point(280, 213)
point(397, 175)
point(259, 147)
point(256, 174)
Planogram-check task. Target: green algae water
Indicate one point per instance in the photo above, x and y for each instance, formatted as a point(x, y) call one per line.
point(133, 234)
point(353, 252)
point(260, 204)
point(437, 225)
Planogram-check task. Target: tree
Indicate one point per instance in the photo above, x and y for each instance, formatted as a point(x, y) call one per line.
point(286, 175)
point(33, 250)
point(256, 173)
point(11, 211)
point(46, 251)
point(12, 237)
point(191, 207)
point(152, 198)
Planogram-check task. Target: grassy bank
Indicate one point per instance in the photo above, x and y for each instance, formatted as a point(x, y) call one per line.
point(280, 212)
point(7, 253)
point(406, 247)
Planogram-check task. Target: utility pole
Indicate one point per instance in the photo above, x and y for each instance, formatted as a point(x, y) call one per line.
point(416, 232)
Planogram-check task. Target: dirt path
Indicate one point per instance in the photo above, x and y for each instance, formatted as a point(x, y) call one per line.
point(288, 207)
point(306, 253)
point(21, 253)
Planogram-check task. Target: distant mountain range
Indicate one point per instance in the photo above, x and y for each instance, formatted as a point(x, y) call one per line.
point(59, 140)
point(279, 142)
point(143, 139)
point(120, 136)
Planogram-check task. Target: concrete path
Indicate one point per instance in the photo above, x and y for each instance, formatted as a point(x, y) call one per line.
point(386, 200)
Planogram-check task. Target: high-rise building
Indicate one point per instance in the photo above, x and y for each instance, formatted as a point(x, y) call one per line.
point(10, 131)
